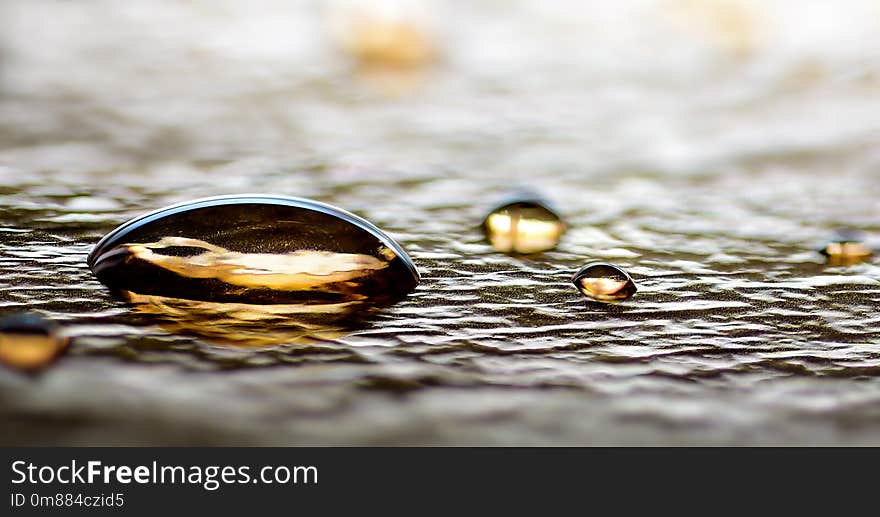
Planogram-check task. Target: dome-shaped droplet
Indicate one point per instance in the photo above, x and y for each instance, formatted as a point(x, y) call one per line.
point(604, 282)
point(846, 247)
point(29, 342)
point(255, 249)
point(523, 226)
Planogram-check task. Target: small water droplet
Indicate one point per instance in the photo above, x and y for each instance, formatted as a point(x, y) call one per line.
point(523, 227)
point(29, 342)
point(604, 282)
point(846, 247)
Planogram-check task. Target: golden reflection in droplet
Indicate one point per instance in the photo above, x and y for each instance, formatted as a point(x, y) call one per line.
point(603, 289)
point(30, 351)
point(241, 325)
point(523, 230)
point(296, 271)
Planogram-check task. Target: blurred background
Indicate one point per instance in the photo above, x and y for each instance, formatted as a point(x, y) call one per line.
point(706, 145)
point(499, 87)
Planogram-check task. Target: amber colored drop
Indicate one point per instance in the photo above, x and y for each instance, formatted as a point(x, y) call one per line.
point(29, 342)
point(846, 247)
point(604, 282)
point(523, 227)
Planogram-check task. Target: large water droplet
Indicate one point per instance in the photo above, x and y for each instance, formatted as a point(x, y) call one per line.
point(256, 249)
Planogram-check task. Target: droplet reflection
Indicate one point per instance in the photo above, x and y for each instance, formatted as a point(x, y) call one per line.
point(253, 326)
point(304, 270)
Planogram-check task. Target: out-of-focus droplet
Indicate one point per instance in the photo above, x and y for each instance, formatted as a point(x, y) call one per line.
point(846, 247)
point(732, 26)
point(604, 282)
point(29, 342)
point(523, 226)
point(256, 249)
point(384, 33)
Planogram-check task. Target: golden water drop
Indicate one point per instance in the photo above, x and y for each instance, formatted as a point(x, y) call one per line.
point(603, 282)
point(523, 227)
point(386, 34)
point(845, 248)
point(29, 342)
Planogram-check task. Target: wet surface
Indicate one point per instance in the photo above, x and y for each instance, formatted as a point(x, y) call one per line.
point(711, 176)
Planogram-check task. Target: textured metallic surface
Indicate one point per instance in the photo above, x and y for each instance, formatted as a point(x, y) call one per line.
point(711, 176)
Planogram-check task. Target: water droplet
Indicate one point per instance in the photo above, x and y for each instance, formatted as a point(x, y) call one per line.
point(604, 282)
point(397, 34)
point(256, 249)
point(29, 342)
point(846, 247)
point(523, 226)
